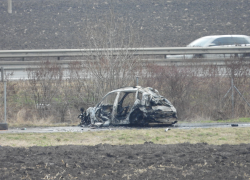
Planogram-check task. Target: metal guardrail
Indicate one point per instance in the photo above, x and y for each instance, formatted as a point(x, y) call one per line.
point(23, 65)
point(121, 51)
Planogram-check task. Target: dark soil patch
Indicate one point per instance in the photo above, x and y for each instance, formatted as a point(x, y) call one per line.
point(146, 161)
point(59, 24)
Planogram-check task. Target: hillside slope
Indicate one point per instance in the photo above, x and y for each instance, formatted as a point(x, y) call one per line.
point(52, 24)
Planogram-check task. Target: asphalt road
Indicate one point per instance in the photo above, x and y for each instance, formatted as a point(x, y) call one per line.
point(85, 129)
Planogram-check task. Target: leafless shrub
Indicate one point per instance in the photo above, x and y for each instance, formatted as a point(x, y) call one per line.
point(44, 82)
point(175, 83)
point(198, 91)
point(238, 71)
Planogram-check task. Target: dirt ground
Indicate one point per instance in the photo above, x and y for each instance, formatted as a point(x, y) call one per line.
point(60, 24)
point(146, 161)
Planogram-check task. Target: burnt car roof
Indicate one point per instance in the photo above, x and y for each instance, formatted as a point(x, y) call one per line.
point(127, 89)
point(133, 89)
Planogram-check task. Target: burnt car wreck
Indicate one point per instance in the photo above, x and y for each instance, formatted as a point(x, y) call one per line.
point(130, 106)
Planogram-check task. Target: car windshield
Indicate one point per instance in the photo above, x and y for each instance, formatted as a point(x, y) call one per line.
point(199, 42)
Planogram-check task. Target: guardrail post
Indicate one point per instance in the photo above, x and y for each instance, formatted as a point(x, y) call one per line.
point(4, 126)
point(2, 77)
point(5, 103)
point(58, 58)
point(9, 6)
point(232, 87)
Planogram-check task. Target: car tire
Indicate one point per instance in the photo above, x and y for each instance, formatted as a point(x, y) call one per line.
point(3, 126)
point(136, 118)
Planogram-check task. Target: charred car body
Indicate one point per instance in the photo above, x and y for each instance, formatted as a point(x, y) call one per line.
point(130, 106)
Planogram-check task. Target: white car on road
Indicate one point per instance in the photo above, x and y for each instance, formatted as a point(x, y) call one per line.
point(214, 41)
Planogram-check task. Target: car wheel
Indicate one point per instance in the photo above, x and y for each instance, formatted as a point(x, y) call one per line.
point(136, 117)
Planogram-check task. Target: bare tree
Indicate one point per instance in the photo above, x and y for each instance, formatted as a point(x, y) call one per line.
point(108, 69)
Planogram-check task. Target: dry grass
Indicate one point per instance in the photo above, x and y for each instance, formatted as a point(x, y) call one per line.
point(215, 136)
point(36, 122)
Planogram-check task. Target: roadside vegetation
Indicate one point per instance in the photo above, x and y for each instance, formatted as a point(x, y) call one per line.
point(199, 93)
point(216, 136)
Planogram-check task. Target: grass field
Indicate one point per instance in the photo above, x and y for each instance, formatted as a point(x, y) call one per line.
point(215, 136)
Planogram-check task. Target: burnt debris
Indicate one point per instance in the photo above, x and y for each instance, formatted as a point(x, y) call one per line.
point(130, 106)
